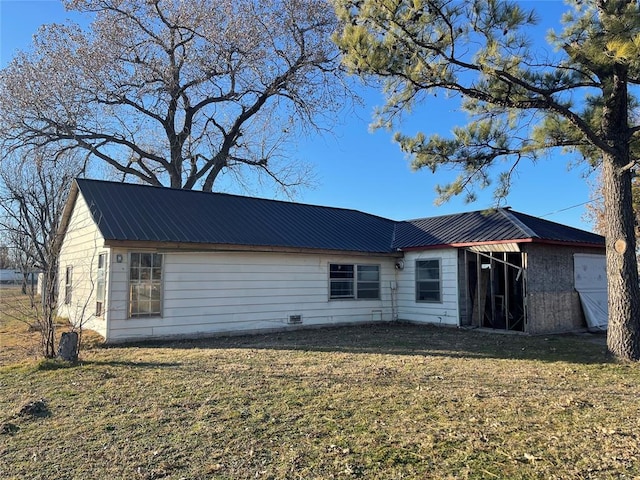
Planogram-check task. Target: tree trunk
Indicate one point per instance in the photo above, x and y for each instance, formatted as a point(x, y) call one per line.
point(623, 336)
point(48, 313)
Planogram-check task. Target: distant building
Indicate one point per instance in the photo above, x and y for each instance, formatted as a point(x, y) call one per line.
point(10, 276)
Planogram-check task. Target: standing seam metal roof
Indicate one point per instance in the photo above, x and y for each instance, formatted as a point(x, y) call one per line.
point(131, 212)
point(488, 226)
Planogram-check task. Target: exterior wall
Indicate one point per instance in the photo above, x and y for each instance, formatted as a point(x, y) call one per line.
point(209, 293)
point(553, 305)
point(80, 249)
point(222, 292)
point(443, 313)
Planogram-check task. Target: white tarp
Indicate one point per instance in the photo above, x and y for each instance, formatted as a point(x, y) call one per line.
point(590, 280)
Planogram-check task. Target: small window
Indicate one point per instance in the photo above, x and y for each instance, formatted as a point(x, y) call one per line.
point(68, 285)
point(145, 285)
point(100, 285)
point(354, 281)
point(428, 285)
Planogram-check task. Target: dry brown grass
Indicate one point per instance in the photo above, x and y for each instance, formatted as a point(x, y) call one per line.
point(383, 402)
point(17, 340)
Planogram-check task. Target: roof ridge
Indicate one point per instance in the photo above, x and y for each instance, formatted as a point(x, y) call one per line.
point(508, 214)
point(481, 211)
point(392, 247)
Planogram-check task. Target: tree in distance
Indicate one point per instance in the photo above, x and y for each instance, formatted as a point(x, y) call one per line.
point(178, 93)
point(521, 104)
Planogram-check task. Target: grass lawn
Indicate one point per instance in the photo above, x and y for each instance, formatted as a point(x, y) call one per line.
point(374, 402)
point(17, 341)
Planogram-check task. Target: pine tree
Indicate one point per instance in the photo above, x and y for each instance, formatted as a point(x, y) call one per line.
point(521, 104)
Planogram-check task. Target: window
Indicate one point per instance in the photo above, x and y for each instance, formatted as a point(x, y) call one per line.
point(368, 284)
point(354, 281)
point(428, 286)
point(68, 285)
point(341, 281)
point(100, 285)
point(145, 285)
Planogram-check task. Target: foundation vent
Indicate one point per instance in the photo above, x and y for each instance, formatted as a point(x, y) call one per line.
point(294, 319)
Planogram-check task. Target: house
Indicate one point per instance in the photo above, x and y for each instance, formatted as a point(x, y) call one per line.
point(141, 262)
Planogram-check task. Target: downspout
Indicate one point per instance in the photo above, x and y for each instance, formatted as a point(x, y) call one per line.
point(107, 294)
point(399, 266)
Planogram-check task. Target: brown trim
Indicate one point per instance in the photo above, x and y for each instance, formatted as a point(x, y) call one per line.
point(570, 244)
point(499, 242)
point(168, 247)
point(174, 247)
point(67, 211)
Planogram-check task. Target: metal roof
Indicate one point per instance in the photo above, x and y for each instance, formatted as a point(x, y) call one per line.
point(497, 225)
point(128, 212)
point(143, 213)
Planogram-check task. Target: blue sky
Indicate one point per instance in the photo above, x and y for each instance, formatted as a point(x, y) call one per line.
point(358, 169)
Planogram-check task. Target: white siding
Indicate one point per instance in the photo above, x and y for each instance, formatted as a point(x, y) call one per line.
point(442, 313)
point(221, 292)
point(80, 249)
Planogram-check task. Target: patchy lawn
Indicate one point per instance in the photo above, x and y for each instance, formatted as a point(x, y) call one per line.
point(17, 339)
point(381, 402)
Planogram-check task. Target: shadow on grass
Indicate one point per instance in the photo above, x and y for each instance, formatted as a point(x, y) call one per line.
point(55, 364)
point(121, 363)
point(411, 339)
point(35, 409)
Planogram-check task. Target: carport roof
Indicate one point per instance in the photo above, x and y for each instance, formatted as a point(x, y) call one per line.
point(141, 213)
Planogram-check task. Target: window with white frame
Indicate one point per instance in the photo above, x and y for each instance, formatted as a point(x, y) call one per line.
point(100, 285)
point(68, 285)
point(349, 281)
point(428, 281)
point(145, 284)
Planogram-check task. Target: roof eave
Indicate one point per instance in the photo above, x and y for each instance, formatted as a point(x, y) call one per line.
point(230, 247)
point(67, 211)
point(569, 243)
point(500, 242)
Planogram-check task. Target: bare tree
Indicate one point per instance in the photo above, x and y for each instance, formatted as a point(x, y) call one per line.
point(6, 261)
point(33, 192)
point(595, 211)
point(177, 93)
